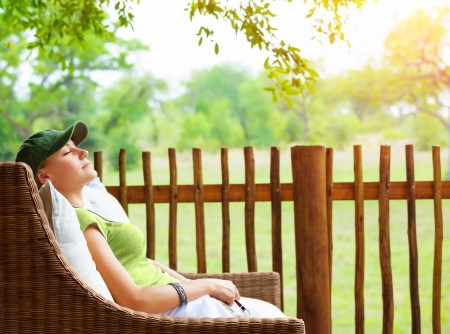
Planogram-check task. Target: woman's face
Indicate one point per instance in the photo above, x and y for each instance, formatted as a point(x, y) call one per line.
point(67, 169)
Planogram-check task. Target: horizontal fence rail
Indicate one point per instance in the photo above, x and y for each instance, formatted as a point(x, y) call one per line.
point(342, 191)
point(312, 193)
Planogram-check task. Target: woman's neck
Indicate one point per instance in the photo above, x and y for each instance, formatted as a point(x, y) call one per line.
point(75, 198)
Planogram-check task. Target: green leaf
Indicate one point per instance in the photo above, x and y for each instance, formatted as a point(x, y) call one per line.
point(200, 41)
point(311, 72)
point(216, 48)
point(274, 98)
point(71, 68)
point(288, 101)
point(332, 38)
point(310, 88)
point(117, 5)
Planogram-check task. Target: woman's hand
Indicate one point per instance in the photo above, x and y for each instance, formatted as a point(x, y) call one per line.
point(223, 290)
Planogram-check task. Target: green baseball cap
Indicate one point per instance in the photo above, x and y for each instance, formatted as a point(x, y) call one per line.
point(35, 149)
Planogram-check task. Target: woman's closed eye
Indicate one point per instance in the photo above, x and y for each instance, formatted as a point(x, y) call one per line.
point(67, 152)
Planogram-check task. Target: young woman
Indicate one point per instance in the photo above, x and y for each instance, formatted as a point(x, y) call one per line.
point(118, 250)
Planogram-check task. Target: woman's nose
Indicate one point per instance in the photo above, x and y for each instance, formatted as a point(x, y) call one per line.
point(84, 154)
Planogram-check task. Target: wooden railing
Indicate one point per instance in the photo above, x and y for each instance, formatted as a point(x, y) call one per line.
point(312, 192)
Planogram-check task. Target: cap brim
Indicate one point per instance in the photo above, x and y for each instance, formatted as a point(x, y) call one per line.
point(78, 132)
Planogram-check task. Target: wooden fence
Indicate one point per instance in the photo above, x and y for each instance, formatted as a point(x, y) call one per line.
point(312, 192)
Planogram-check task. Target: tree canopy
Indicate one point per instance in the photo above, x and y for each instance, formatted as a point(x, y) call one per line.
point(417, 54)
point(55, 24)
point(405, 96)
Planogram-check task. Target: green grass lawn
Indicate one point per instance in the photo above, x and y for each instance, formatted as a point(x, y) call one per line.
point(343, 234)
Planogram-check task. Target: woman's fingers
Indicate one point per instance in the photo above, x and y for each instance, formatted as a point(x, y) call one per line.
point(233, 289)
point(228, 291)
point(237, 295)
point(224, 292)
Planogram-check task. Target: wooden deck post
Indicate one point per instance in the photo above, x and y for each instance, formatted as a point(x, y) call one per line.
point(98, 164)
point(311, 238)
point(412, 241)
point(438, 239)
point(123, 194)
point(359, 240)
point(387, 288)
point(173, 206)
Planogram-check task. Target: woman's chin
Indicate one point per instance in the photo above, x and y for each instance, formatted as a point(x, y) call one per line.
point(93, 175)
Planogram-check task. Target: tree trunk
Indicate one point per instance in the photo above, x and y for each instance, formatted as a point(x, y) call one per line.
point(241, 118)
point(155, 132)
point(401, 115)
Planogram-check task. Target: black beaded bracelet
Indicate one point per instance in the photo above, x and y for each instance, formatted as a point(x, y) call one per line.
point(181, 292)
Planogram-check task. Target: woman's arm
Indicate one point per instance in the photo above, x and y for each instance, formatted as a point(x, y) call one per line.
point(176, 275)
point(171, 272)
point(150, 299)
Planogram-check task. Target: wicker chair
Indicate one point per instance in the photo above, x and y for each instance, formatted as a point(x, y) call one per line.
point(40, 292)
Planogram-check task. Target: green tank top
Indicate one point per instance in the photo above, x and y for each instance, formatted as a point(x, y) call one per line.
point(128, 245)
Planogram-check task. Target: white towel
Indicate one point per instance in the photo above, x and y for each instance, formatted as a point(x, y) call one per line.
point(207, 307)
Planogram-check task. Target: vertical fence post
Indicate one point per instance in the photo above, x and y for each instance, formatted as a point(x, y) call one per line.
point(311, 238)
point(385, 240)
point(149, 204)
point(173, 202)
point(359, 240)
point(225, 212)
point(199, 211)
point(412, 240)
point(329, 192)
point(123, 197)
point(250, 208)
point(438, 237)
point(98, 164)
point(275, 197)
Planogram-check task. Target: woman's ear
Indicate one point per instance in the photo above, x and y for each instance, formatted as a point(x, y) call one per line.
point(41, 176)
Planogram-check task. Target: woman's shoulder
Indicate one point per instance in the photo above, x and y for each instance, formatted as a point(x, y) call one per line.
point(89, 214)
point(87, 217)
point(83, 213)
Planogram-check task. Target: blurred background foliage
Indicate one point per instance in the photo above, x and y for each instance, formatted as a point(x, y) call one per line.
point(405, 95)
point(55, 25)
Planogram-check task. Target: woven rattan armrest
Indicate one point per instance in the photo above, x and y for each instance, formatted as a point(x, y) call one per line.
point(260, 285)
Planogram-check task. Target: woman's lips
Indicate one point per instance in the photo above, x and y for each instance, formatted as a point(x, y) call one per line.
point(88, 164)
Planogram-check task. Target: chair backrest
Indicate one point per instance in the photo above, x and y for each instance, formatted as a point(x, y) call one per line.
point(39, 291)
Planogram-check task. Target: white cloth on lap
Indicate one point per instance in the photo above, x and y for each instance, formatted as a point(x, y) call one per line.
point(260, 309)
point(208, 307)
